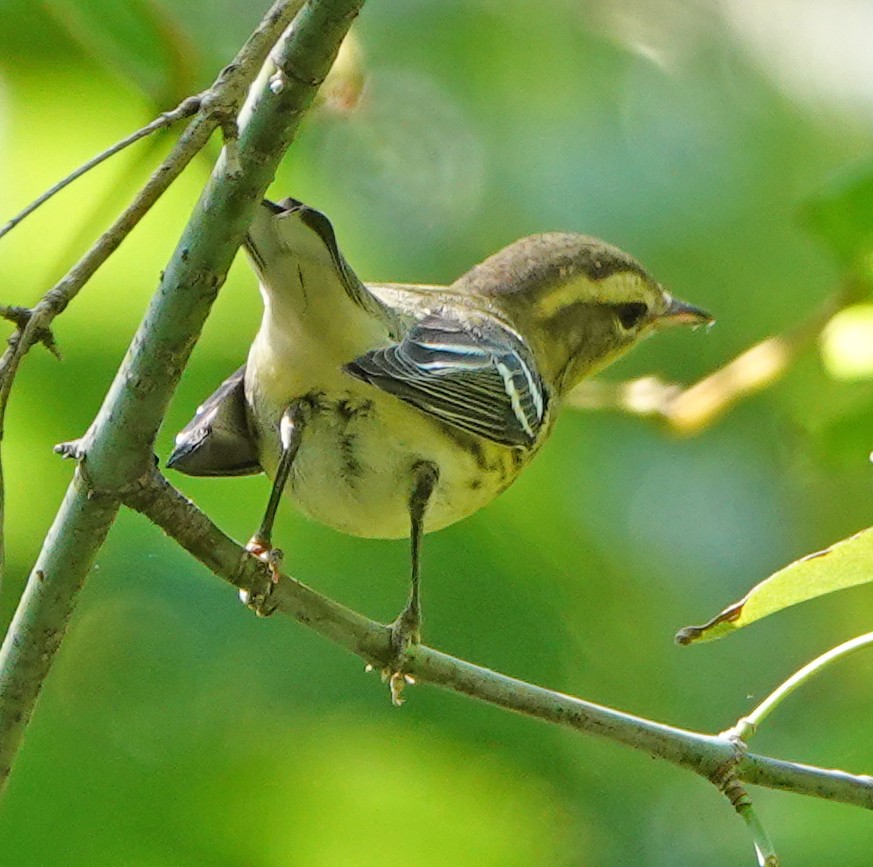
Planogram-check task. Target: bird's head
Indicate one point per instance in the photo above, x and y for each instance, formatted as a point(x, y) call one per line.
point(579, 302)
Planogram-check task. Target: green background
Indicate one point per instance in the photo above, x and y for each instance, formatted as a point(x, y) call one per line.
point(178, 729)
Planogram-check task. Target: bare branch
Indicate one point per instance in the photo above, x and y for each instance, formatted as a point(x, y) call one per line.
point(699, 405)
point(118, 447)
point(714, 757)
point(690, 410)
point(116, 454)
point(217, 106)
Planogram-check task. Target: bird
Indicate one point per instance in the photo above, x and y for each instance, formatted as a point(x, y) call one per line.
point(390, 410)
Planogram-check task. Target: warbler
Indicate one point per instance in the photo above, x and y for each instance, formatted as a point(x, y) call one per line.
point(392, 410)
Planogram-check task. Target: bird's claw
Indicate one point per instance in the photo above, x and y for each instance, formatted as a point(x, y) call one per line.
point(396, 680)
point(263, 550)
point(261, 603)
point(405, 636)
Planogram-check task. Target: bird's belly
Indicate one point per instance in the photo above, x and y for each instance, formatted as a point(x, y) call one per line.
point(355, 469)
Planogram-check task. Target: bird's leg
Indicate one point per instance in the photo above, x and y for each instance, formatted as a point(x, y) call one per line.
point(406, 629)
point(290, 433)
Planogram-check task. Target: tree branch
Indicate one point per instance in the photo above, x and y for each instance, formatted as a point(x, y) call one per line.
point(118, 447)
point(689, 410)
point(708, 755)
point(216, 106)
point(699, 405)
point(116, 454)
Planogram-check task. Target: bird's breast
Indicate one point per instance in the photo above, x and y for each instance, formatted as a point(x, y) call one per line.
point(354, 470)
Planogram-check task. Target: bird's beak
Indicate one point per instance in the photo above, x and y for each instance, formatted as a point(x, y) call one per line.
point(682, 313)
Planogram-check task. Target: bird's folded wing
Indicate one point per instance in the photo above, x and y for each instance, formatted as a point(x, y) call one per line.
point(217, 441)
point(476, 376)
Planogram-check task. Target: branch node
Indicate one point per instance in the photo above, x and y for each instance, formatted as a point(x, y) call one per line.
point(733, 789)
point(738, 733)
point(221, 107)
point(70, 450)
point(187, 107)
point(727, 781)
point(230, 131)
point(21, 316)
point(78, 450)
point(287, 70)
point(722, 775)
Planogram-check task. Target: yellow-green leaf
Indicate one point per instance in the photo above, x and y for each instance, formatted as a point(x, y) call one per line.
point(845, 564)
point(847, 343)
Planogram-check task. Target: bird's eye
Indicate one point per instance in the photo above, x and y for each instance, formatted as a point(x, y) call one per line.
point(631, 314)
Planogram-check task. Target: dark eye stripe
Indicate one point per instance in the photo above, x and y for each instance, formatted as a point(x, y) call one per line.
point(631, 314)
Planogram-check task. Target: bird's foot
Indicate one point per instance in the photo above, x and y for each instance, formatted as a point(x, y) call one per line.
point(405, 637)
point(262, 603)
point(263, 550)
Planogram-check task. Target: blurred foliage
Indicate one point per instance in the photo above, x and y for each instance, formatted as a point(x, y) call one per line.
point(841, 214)
point(847, 343)
point(176, 728)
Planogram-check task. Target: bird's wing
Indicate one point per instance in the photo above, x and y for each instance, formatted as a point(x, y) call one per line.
point(478, 377)
point(217, 441)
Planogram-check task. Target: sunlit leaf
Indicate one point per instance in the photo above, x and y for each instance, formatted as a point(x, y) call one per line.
point(845, 564)
point(847, 343)
point(841, 215)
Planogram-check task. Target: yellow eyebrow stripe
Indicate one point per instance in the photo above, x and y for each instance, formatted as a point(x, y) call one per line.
point(618, 288)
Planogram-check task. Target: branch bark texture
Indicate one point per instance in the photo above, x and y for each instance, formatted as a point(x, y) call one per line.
point(118, 448)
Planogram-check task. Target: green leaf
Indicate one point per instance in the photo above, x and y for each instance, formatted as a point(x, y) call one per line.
point(841, 215)
point(845, 564)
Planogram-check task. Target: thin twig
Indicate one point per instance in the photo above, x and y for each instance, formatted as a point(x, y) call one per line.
point(747, 725)
point(118, 447)
point(705, 754)
point(56, 300)
point(698, 406)
point(764, 849)
point(216, 105)
point(690, 410)
point(212, 109)
point(187, 108)
point(727, 781)
point(128, 176)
